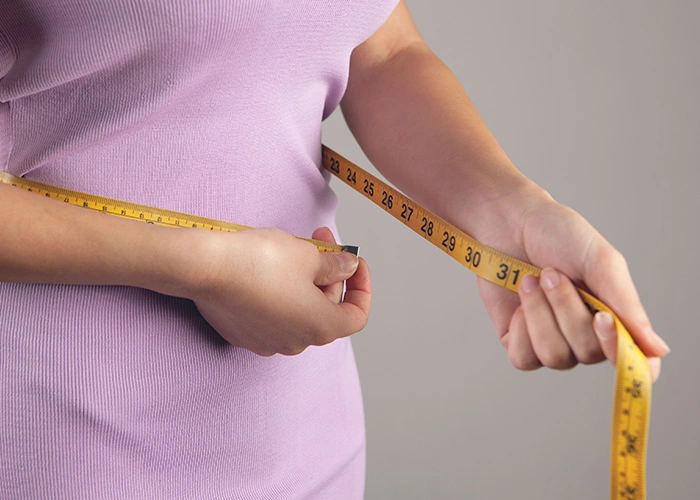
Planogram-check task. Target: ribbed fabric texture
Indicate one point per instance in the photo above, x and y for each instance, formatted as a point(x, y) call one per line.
point(211, 107)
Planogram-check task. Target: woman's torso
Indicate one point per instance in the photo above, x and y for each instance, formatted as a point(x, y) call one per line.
point(212, 108)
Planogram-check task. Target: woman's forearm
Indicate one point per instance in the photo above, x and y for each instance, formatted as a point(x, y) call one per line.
point(44, 241)
point(417, 125)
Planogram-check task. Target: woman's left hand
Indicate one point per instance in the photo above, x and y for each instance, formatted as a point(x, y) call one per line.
point(547, 323)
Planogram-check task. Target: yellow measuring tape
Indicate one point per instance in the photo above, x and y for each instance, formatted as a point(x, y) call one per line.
point(633, 383)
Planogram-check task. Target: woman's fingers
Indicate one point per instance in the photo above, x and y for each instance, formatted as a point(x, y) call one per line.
point(553, 328)
point(604, 326)
point(348, 313)
point(607, 275)
point(352, 313)
point(572, 316)
point(501, 306)
point(548, 342)
point(335, 267)
point(328, 320)
point(655, 367)
point(517, 342)
point(343, 315)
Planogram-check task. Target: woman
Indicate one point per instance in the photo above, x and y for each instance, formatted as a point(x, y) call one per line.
point(145, 362)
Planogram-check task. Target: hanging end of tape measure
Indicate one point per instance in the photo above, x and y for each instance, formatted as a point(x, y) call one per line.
point(352, 249)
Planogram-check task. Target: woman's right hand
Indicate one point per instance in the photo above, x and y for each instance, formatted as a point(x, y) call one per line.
point(269, 292)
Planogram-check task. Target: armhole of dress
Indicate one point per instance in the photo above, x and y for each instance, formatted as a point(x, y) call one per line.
point(342, 84)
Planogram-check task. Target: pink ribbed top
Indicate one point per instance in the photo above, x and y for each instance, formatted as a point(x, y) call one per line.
point(211, 107)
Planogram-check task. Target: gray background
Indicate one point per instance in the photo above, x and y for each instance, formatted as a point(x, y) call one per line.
point(596, 101)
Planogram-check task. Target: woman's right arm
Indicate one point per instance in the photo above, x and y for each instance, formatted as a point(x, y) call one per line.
point(263, 290)
point(44, 241)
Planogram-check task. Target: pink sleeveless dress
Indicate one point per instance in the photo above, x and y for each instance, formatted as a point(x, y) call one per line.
point(211, 107)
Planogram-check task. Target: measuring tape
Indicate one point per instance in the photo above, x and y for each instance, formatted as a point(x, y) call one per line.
point(144, 213)
point(633, 382)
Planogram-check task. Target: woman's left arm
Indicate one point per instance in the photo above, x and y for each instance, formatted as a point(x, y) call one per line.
point(419, 128)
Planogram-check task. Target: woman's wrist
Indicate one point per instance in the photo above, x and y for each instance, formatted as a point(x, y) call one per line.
point(172, 260)
point(500, 201)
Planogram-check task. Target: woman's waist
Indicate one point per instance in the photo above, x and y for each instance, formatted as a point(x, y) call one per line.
point(294, 197)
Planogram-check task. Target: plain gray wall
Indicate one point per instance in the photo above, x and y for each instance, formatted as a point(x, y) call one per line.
point(598, 102)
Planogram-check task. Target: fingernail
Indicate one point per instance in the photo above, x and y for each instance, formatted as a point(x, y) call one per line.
point(604, 325)
point(549, 278)
point(529, 283)
point(660, 342)
point(347, 262)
